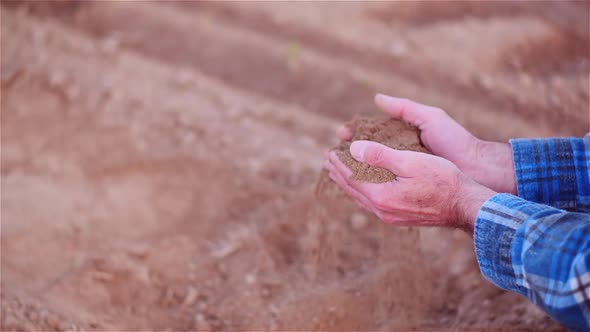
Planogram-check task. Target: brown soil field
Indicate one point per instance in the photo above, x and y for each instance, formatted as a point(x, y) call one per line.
point(159, 160)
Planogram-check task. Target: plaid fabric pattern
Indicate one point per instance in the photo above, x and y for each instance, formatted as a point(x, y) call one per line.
point(542, 251)
point(554, 171)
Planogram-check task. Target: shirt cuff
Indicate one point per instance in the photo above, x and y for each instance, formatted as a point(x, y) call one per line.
point(545, 170)
point(496, 225)
point(498, 238)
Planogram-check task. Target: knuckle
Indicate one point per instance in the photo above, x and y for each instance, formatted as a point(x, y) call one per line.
point(375, 156)
point(405, 104)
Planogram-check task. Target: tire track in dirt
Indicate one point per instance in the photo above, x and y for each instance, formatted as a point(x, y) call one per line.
point(571, 16)
point(112, 164)
point(318, 84)
point(564, 53)
point(217, 52)
point(568, 50)
point(413, 69)
point(230, 107)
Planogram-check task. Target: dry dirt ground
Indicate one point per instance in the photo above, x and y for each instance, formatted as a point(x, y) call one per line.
point(159, 160)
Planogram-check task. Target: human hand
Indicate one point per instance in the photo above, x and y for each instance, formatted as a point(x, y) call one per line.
point(428, 190)
point(488, 163)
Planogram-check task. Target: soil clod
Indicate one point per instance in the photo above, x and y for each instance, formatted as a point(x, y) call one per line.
point(395, 134)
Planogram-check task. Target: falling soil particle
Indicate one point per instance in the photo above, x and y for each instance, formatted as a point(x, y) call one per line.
point(393, 133)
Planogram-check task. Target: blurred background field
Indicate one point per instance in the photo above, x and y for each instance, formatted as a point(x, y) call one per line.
point(159, 159)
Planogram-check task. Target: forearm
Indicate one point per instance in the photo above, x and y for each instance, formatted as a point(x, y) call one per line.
point(551, 171)
point(471, 196)
point(492, 166)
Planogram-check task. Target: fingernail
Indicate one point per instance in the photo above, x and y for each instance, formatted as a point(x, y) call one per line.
point(357, 150)
point(381, 99)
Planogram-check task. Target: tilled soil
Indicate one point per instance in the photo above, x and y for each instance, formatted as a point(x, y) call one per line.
point(159, 159)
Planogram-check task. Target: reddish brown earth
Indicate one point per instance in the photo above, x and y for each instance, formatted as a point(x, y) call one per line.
point(159, 159)
point(393, 133)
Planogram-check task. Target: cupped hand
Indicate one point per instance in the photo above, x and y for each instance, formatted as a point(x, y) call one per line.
point(488, 163)
point(428, 190)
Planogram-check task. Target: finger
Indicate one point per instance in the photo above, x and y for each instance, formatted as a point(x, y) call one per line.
point(399, 162)
point(340, 176)
point(359, 198)
point(406, 221)
point(362, 197)
point(327, 164)
point(372, 191)
point(338, 165)
point(364, 201)
point(405, 109)
point(344, 133)
point(337, 177)
point(399, 219)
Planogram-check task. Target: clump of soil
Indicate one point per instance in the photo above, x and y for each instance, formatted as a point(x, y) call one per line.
point(391, 132)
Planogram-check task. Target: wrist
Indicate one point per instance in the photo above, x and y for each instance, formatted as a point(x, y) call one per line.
point(469, 199)
point(492, 165)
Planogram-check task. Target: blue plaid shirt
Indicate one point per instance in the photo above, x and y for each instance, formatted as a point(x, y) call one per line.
point(538, 244)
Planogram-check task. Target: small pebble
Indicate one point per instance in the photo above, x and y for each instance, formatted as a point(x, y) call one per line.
point(72, 92)
point(57, 79)
point(250, 278)
point(102, 276)
point(110, 45)
point(485, 82)
point(184, 78)
point(265, 292)
point(139, 251)
point(191, 296)
point(398, 48)
point(525, 79)
point(358, 221)
point(201, 323)
point(188, 138)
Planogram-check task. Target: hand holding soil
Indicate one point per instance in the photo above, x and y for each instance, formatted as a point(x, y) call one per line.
point(388, 171)
point(428, 190)
point(488, 163)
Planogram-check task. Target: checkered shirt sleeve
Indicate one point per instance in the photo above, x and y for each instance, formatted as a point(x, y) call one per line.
point(537, 250)
point(554, 171)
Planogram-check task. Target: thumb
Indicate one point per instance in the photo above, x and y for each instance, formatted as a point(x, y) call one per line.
point(375, 154)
